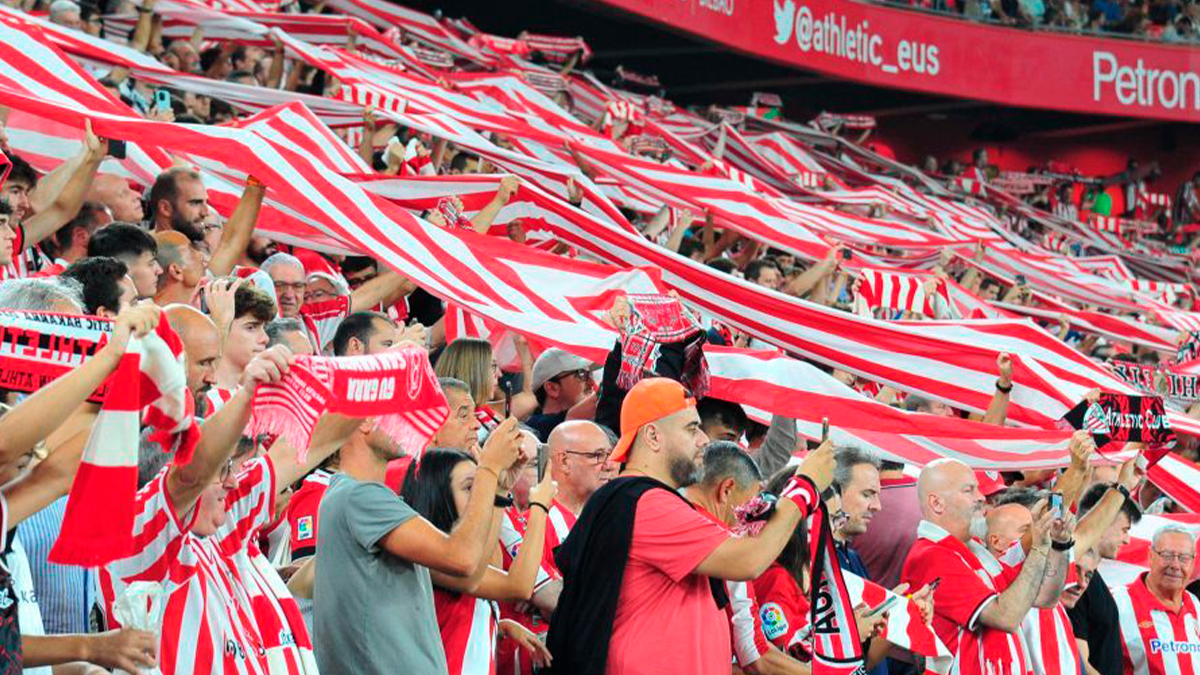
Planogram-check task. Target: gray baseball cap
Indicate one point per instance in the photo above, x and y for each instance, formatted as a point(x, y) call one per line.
point(554, 362)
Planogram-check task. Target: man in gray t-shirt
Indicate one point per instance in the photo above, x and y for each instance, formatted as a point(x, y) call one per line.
point(374, 614)
point(373, 610)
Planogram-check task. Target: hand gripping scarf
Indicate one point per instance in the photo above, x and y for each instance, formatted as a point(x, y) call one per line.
point(656, 320)
point(397, 387)
point(36, 348)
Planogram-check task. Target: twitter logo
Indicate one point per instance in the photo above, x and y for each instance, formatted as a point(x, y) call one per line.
point(785, 19)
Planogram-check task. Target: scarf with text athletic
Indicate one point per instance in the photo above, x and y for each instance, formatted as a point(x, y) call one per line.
point(397, 387)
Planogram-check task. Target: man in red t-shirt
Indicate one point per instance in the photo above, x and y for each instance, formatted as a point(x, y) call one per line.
point(664, 590)
point(980, 602)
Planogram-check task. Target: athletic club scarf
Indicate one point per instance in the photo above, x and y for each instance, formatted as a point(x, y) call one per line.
point(397, 387)
point(1124, 419)
point(836, 646)
point(150, 378)
point(656, 320)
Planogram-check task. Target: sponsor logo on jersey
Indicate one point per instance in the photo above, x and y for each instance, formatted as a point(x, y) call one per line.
point(304, 528)
point(774, 621)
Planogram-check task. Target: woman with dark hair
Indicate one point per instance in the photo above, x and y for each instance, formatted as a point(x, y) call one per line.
point(438, 488)
point(783, 590)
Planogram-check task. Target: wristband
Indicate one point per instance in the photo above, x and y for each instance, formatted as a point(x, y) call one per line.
point(540, 506)
point(801, 490)
point(503, 502)
point(1003, 390)
point(1064, 546)
point(1123, 490)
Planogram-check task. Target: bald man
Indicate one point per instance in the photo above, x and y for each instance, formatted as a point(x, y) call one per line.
point(980, 603)
point(201, 348)
point(579, 462)
point(1006, 524)
point(182, 268)
point(114, 192)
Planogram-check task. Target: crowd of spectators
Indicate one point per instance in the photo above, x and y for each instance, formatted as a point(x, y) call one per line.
point(1174, 21)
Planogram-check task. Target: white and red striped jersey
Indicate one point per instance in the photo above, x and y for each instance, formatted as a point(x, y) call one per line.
point(1157, 640)
point(512, 659)
point(745, 623)
point(1051, 642)
point(215, 399)
point(559, 522)
point(207, 623)
point(469, 628)
point(250, 507)
point(512, 535)
point(322, 319)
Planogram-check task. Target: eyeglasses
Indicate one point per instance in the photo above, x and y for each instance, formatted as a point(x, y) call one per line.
point(355, 282)
point(582, 374)
point(597, 457)
point(1171, 556)
point(227, 470)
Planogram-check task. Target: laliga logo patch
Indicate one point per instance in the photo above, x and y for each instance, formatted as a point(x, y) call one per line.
point(304, 528)
point(774, 622)
point(785, 20)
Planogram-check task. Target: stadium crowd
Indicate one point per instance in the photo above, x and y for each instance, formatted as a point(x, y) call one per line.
point(420, 417)
point(1166, 20)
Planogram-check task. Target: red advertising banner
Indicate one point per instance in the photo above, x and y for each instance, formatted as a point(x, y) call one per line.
point(893, 47)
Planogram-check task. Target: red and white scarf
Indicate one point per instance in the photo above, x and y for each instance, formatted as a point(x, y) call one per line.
point(836, 646)
point(397, 387)
point(38, 347)
point(890, 290)
point(656, 320)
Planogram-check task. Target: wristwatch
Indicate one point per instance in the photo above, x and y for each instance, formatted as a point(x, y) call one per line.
point(503, 502)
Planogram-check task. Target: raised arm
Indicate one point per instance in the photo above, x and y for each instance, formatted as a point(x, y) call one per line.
point(37, 416)
point(461, 552)
point(385, 289)
point(221, 432)
point(235, 236)
point(483, 219)
point(745, 558)
point(1009, 608)
point(997, 410)
point(1093, 524)
point(60, 194)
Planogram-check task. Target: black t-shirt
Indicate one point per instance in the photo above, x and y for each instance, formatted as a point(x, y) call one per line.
point(1094, 619)
point(424, 307)
point(543, 424)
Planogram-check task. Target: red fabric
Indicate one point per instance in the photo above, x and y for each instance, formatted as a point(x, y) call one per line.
point(397, 470)
point(661, 596)
point(783, 609)
point(396, 387)
point(468, 628)
point(323, 318)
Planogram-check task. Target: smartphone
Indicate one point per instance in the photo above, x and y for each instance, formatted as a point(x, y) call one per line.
point(884, 606)
point(824, 429)
point(162, 100)
point(847, 254)
point(543, 457)
point(1056, 504)
point(116, 149)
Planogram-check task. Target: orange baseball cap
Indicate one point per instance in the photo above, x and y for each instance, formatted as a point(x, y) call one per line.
point(649, 401)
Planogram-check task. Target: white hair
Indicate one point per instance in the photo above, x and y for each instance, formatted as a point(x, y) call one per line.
point(41, 295)
point(1173, 528)
point(60, 7)
point(278, 259)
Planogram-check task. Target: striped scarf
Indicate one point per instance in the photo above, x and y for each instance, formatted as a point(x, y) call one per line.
point(37, 348)
point(397, 387)
point(657, 320)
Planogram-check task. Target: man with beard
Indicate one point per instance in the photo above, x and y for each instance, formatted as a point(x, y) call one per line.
point(980, 603)
point(668, 554)
point(178, 201)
